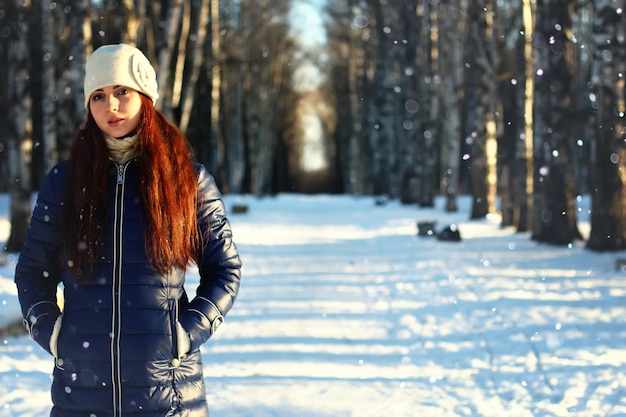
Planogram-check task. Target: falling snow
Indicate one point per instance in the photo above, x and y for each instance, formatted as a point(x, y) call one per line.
point(345, 311)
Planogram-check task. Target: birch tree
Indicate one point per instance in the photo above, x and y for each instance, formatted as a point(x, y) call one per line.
point(351, 31)
point(232, 91)
point(167, 58)
point(134, 13)
point(357, 156)
point(524, 163)
point(201, 130)
point(198, 15)
point(483, 133)
point(451, 67)
point(267, 47)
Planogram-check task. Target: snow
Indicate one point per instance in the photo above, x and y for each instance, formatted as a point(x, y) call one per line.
point(344, 311)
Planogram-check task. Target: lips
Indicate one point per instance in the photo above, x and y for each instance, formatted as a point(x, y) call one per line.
point(114, 121)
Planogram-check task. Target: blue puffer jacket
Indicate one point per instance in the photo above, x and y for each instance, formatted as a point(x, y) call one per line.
point(119, 344)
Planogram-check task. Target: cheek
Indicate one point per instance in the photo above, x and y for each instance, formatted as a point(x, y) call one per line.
point(134, 120)
point(135, 111)
point(98, 117)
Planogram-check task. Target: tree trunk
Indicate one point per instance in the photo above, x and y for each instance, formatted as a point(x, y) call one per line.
point(354, 160)
point(483, 141)
point(134, 21)
point(524, 163)
point(199, 16)
point(18, 126)
point(232, 92)
point(381, 113)
point(72, 34)
point(365, 93)
point(341, 89)
point(258, 134)
point(428, 104)
point(79, 37)
point(511, 102)
point(451, 66)
point(113, 25)
point(409, 192)
point(215, 67)
point(49, 58)
point(554, 212)
point(608, 215)
point(166, 69)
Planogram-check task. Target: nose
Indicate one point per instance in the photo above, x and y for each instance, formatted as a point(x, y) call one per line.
point(113, 103)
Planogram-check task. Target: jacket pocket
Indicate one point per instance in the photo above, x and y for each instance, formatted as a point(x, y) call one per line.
point(183, 340)
point(181, 343)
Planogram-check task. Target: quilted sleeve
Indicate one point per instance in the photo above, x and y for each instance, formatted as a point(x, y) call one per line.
point(219, 266)
point(37, 272)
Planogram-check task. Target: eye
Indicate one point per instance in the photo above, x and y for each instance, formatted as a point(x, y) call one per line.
point(97, 97)
point(123, 91)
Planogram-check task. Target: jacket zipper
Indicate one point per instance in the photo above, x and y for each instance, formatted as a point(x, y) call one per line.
point(116, 289)
point(173, 324)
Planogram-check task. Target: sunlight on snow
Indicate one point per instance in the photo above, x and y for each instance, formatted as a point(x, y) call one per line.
point(345, 312)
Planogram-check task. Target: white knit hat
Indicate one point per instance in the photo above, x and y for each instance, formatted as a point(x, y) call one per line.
point(120, 65)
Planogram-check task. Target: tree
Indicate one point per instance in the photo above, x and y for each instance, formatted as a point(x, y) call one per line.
point(231, 87)
point(169, 24)
point(451, 70)
point(514, 31)
point(381, 121)
point(48, 140)
point(608, 216)
point(524, 172)
point(349, 36)
point(72, 57)
point(554, 213)
point(198, 15)
point(428, 117)
point(340, 84)
point(409, 105)
point(483, 133)
point(18, 124)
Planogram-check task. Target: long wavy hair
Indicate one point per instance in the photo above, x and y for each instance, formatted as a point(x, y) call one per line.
point(168, 193)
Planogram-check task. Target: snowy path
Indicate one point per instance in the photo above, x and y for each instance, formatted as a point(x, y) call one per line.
point(394, 325)
point(344, 312)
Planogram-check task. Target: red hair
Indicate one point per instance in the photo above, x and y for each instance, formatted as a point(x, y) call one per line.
point(168, 192)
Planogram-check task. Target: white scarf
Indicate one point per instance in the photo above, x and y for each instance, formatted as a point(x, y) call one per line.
point(122, 150)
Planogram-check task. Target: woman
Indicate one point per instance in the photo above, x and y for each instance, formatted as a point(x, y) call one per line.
point(118, 224)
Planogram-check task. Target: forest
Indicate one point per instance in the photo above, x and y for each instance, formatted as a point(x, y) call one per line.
point(519, 104)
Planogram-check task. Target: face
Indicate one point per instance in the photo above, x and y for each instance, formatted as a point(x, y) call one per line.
point(115, 109)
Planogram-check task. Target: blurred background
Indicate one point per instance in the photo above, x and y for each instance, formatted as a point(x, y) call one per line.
point(518, 103)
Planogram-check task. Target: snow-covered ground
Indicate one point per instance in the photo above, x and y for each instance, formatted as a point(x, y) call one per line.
point(345, 312)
